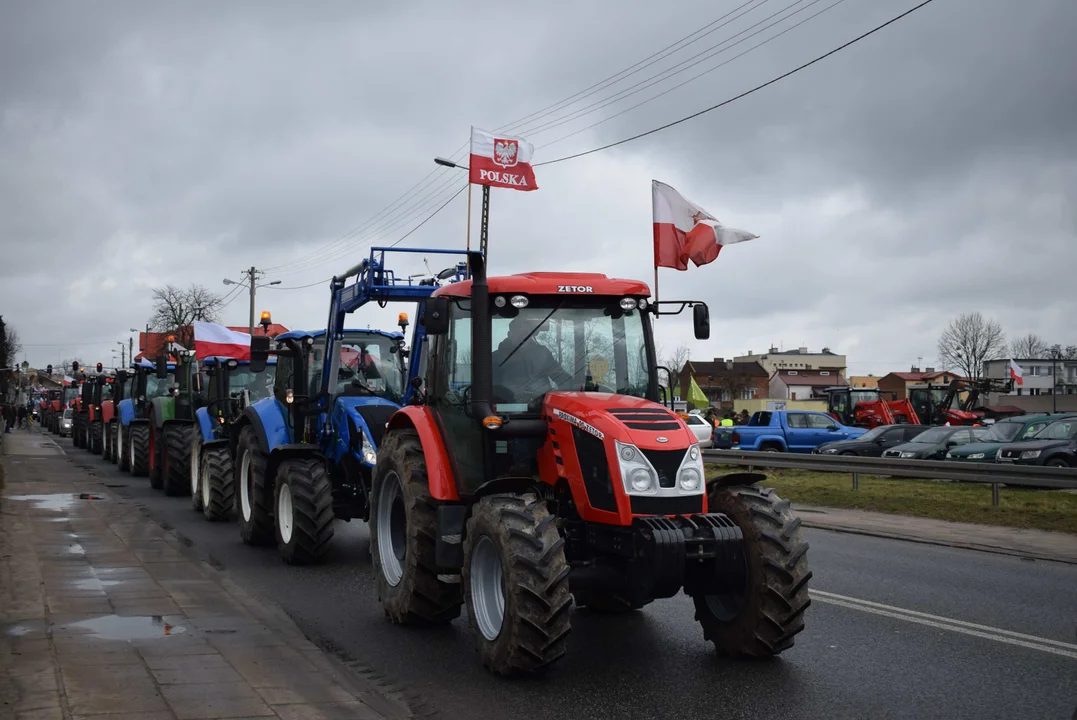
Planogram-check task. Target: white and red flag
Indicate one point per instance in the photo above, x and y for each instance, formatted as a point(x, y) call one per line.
point(501, 161)
point(1016, 373)
point(684, 231)
point(211, 339)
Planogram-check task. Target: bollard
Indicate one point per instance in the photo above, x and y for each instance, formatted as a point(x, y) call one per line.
point(856, 481)
point(994, 494)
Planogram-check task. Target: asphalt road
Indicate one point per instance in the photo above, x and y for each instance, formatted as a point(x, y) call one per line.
point(951, 633)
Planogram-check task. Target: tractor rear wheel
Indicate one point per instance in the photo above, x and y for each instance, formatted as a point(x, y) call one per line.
point(194, 469)
point(255, 498)
point(761, 619)
point(106, 446)
point(217, 483)
point(403, 529)
point(516, 584)
point(138, 447)
point(156, 456)
point(97, 437)
point(303, 511)
point(123, 455)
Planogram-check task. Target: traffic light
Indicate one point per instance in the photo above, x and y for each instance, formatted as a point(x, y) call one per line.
point(100, 367)
point(74, 366)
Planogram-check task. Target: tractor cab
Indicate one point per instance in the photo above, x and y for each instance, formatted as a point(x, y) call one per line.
point(841, 402)
point(233, 384)
point(941, 404)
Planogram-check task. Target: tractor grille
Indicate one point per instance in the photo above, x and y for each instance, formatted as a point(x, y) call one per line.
point(654, 419)
point(666, 463)
point(591, 453)
point(649, 505)
point(376, 416)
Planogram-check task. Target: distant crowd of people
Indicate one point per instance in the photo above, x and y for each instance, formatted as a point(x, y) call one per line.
point(16, 416)
point(728, 419)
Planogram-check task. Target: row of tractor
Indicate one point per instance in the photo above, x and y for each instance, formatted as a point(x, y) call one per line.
point(513, 457)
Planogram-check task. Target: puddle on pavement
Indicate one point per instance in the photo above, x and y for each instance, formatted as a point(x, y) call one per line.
point(115, 627)
point(56, 501)
point(76, 549)
point(94, 584)
point(19, 630)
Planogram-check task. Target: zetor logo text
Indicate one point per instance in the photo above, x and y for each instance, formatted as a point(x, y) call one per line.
point(503, 177)
point(575, 288)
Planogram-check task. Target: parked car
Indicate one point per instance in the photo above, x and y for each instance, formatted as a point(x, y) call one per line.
point(933, 443)
point(790, 431)
point(65, 422)
point(702, 429)
point(1054, 446)
point(1003, 432)
point(874, 442)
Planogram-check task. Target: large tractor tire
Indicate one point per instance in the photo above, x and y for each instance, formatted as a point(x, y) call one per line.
point(762, 619)
point(76, 432)
point(138, 447)
point(156, 456)
point(217, 483)
point(109, 444)
point(194, 471)
point(123, 450)
point(516, 584)
point(97, 437)
point(255, 497)
point(176, 456)
point(303, 511)
point(403, 528)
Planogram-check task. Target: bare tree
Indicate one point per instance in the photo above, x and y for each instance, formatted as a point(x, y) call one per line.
point(674, 361)
point(10, 347)
point(176, 308)
point(1057, 352)
point(1028, 346)
point(969, 341)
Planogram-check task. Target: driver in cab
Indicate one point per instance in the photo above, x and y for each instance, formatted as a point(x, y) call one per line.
point(523, 366)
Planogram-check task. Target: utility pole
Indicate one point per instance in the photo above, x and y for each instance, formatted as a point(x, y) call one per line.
point(252, 277)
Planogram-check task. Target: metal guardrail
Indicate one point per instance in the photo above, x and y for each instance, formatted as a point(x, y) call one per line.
point(994, 474)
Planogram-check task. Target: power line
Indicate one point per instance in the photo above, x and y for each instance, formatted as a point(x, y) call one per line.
point(300, 287)
point(744, 94)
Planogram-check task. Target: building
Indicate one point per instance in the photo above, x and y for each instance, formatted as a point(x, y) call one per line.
point(896, 385)
point(799, 359)
point(802, 384)
point(1040, 377)
point(863, 381)
point(724, 381)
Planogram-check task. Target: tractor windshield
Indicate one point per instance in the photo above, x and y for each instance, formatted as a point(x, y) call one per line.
point(369, 366)
point(259, 385)
point(159, 387)
point(860, 396)
point(70, 393)
point(553, 345)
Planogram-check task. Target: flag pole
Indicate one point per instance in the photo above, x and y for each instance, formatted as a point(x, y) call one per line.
point(485, 224)
point(656, 291)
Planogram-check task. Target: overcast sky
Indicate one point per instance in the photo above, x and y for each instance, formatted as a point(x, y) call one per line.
point(927, 171)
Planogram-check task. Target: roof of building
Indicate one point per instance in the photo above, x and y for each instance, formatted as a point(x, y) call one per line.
point(797, 351)
point(813, 378)
point(719, 366)
point(922, 375)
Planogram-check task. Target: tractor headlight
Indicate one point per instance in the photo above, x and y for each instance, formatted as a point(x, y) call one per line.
point(690, 474)
point(628, 303)
point(638, 476)
point(519, 301)
point(499, 301)
point(370, 457)
point(688, 479)
point(289, 396)
point(693, 452)
point(641, 479)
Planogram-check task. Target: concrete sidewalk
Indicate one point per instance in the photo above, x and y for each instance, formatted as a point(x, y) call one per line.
point(104, 613)
point(1037, 544)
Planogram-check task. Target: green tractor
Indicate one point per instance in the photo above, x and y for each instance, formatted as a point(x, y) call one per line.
point(172, 423)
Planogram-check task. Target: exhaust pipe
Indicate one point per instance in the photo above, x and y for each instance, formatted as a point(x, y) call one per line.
point(482, 383)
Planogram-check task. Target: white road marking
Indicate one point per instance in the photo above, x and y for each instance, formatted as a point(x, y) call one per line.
point(987, 632)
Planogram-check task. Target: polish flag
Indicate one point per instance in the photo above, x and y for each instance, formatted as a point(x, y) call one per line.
point(211, 339)
point(1016, 373)
point(684, 231)
point(501, 161)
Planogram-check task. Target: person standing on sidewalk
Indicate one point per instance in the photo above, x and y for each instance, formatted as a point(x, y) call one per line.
point(21, 416)
point(9, 417)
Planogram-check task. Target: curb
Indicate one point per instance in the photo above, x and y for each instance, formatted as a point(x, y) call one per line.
point(993, 549)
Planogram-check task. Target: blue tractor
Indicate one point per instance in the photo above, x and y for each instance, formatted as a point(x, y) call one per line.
point(231, 387)
point(307, 454)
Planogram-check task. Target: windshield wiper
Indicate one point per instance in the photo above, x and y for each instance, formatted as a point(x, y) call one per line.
point(520, 344)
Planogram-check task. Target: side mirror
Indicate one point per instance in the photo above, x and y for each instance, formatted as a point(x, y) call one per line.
point(416, 382)
point(435, 318)
point(701, 321)
point(259, 353)
point(162, 366)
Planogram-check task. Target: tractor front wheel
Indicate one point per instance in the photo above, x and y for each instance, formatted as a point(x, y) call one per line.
point(194, 468)
point(123, 455)
point(303, 511)
point(156, 455)
point(138, 447)
point(106, 446)
point(217, 483)
point(516, 584)
point(761, 619)
point(97, 437)
point(403, 528)
point(177, 459)
point(255, 499)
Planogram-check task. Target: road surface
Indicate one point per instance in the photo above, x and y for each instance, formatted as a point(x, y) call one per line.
point(896, 630)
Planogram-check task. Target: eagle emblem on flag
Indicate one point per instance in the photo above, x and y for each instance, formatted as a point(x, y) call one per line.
point(506, 152)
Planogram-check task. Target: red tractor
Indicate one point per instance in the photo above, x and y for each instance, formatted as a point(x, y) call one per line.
point(864, 407)
point(535, 466)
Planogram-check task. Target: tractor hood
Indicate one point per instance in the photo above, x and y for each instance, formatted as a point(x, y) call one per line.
point(643, 423)
point(368, 412)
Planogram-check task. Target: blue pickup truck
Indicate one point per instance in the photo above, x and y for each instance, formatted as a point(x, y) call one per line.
point(791, 431)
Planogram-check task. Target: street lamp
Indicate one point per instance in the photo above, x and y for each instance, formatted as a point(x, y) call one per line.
point(485, 222)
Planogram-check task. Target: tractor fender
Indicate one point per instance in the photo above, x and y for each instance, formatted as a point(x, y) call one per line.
point(218, 443)
point(438, 467)
point(205, 424)
point(164, 408)
point(281, 453)
point(108, 411)
point(126, 411)
point(267, 418)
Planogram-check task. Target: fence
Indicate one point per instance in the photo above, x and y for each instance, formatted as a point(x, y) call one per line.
point(994, 474)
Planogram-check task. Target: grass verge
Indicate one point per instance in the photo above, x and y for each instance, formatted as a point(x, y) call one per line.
point(963, 502)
